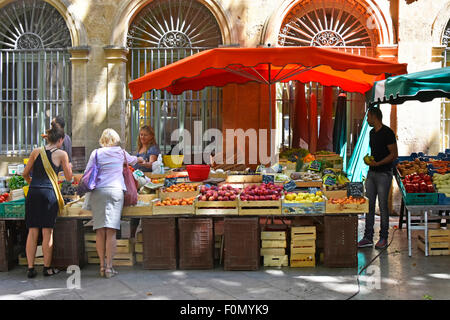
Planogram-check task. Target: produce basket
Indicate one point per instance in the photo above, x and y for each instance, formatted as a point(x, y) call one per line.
point(418, 198)
point(13, 209)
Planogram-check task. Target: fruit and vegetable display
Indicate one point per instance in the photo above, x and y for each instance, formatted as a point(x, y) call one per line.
point(304, 197)
point(418, 183)
point(410, 167)
point(293, 154)
point(368, 159)
point(16, 182)
point(215, 193)
point(347, 200)
point(262, 192)
point(182, 187)
point(442, 182)
point(4, 197)
point(306, 176)
point(67, 188)
point(440, 166)
point(175, 202)
point(335, 181)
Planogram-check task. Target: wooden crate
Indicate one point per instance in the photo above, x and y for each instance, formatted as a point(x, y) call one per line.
point(172, 210)
point(347, 208)
point(244, 179)
point(75, 211)
point(139, 257)
point(309, 184)
point(123, 245)
point(139, 247)
point(139, 237)
point(303, 233)
point(273, 235)
point(216, 207)
point(303, 246)
point(438, 235)
point(269, 207)
point(434, 248)
point(137, 211)
point(178, 195)
point(335, 194)
point(303, 260)
point(119, 260)
point(273, 243)
point(273, 251)
point(276, 261)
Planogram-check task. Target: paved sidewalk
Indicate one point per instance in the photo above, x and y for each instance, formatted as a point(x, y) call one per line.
point(401, 277)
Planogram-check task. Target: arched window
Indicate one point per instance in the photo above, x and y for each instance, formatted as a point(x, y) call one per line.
point(162, 33)
point(35, 73)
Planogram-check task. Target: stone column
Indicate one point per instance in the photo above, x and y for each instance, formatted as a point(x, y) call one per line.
point(116, 60)
point(79, 109)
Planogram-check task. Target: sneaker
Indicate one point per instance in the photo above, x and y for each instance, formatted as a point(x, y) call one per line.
point(365, 243)
point(381, 244)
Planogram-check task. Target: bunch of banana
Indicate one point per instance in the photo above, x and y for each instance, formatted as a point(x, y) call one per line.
point(342, 180)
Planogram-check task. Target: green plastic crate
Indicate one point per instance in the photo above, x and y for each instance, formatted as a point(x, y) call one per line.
point(419, 199)
point(13, 209)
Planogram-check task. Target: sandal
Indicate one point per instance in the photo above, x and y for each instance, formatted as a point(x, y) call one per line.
point(110, 272)
point(31, 273)
point(102, 271)
point(50, 271)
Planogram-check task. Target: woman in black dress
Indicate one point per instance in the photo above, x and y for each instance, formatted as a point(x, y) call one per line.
point(41, 205)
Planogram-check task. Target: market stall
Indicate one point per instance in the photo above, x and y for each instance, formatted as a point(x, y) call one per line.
point(422, 179)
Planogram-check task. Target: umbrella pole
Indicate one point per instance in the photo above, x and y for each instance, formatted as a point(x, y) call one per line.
point(270, 113)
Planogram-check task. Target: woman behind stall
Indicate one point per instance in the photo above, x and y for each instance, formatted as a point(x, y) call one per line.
point(147, 149)
point(44, 198)
point(106, 200)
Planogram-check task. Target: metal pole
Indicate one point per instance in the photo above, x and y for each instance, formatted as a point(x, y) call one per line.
point(270, 113)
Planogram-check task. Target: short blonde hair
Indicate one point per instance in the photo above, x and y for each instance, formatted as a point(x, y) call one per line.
point(109, 138)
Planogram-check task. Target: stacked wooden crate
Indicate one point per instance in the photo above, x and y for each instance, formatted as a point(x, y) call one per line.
point(139, 248)
point(438, 242)
point(273, 248)
point(303, 246)
point(124, 251)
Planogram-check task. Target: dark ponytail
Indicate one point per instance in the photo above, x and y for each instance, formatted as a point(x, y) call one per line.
point(55, 133)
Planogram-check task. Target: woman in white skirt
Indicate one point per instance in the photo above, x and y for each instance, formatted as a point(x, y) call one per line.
point(106, 200)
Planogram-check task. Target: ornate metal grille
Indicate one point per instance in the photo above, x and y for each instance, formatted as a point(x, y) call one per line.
point(330, 24)
point(35, 73)
point(162, 33)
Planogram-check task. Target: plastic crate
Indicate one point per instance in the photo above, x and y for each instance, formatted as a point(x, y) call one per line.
point(159, 243)
point(196, 243)
point(341, 241)
point(443, 199)
point(13, 209)
point(242, 244)
point(418, 198)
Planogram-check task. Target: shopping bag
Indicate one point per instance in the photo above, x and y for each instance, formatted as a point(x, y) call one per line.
point(89, 179)
point(130, 197)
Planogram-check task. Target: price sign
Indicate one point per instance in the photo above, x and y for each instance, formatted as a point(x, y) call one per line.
point(330, 181)
point(169, 182)
point(355, 189)
point(290, 186)
point(315, 165)
point(268, 178)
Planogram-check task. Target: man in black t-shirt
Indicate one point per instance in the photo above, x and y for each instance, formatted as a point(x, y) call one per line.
point(383, 147)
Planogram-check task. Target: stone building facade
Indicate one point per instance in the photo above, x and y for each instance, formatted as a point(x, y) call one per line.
point(406, 31)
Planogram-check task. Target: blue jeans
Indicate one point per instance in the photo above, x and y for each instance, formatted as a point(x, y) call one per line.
point(378, 184)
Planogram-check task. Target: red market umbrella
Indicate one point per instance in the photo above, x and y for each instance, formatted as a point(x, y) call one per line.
point(221, 66)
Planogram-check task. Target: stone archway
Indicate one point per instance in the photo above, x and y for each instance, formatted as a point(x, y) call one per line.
point(440, 25)
point(76, 27)
point(129, 9)
point(377, 18)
